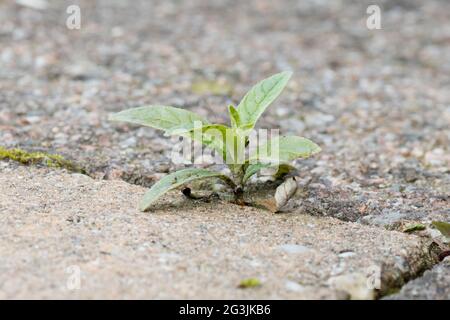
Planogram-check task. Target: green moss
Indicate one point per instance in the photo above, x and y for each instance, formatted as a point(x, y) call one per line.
point(249, 283)
point(39, 158)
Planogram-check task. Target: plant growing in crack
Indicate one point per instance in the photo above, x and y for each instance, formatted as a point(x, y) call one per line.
point(230, 142)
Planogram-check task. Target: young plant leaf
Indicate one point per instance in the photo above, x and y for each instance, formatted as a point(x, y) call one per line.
point(204, 129)
point(283, 149)
point(164, 118)
point(176, 121)
point(175, 180)
point(214, 136)
point(234, 116)
point(211, 135)
point(260, 97)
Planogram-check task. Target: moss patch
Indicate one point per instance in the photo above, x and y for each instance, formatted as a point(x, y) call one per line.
point(39, 158)
point(249, 283)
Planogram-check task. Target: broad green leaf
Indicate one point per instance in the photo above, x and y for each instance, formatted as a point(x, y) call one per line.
point(164, 118)
point(260, 97)
point(222, 138)
point(234, 116)
point(214, 136)
point(283, 169)
point(209, 132)
point(211, 135)
point(202, 129)
point(174, 121)
point(284, 149)
point(443, 227)
point(175, 180)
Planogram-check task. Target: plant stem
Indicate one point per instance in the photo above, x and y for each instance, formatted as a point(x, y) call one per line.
point(239, 195)
point(228, 181)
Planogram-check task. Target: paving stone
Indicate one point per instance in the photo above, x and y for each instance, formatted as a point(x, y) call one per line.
point(54, 224)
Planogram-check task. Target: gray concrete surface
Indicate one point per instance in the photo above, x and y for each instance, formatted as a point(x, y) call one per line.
point(52, 221)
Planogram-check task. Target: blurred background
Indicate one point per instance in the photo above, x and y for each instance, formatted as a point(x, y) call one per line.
point(377, 101)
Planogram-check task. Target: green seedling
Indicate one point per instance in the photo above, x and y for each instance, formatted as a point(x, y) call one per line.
point(230, 142)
